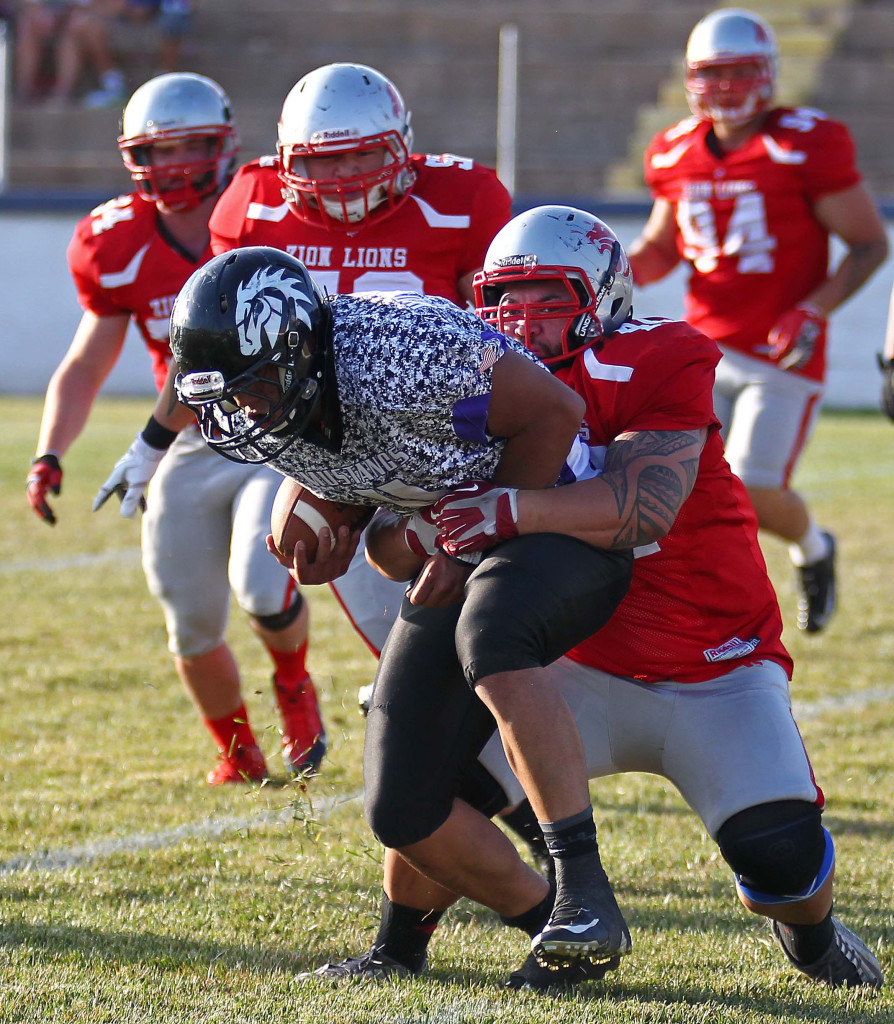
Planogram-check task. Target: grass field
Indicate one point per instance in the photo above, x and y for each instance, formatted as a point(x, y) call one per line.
point(132, 892)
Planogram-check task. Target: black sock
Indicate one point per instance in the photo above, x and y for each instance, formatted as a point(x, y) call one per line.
point(807, 942)
point(405, 932)
point(532, 921)
point(525, 825)
point(572, 843)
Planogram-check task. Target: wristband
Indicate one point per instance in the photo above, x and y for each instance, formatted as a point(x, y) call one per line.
point(157, 436)
point(50, 458)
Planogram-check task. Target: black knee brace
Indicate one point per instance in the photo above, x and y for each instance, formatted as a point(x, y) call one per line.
point(282, 620)
point(779, 851)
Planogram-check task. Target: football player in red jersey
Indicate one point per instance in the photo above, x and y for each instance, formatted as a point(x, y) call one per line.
point(749, 194)
point(688, 679)
point(206, 520)
point(347, 196)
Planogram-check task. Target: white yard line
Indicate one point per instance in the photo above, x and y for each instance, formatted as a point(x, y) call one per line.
point(208, 828)
point(25, 565)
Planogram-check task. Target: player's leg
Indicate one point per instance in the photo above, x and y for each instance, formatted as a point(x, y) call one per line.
point(773, 417)
point(186, 539)
point(736, 755)
point(278, 615)
point(424, 730)
point(372, 604)
point(528, 603)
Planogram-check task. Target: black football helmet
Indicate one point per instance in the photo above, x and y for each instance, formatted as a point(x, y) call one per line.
point(251, 323)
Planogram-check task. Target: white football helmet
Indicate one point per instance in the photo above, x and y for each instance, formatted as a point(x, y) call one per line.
point(172, 108)
point(743, 44)
point(568, 245)
point(339, 109)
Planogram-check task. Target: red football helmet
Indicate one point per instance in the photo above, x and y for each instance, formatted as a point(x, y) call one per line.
point(175, 108)
point(338, 110)
point(730, 67)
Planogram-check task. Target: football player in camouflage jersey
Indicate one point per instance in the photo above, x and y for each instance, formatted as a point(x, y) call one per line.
point(748, 195)
point(206, 519)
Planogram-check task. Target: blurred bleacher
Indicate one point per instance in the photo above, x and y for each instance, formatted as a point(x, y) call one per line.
point(596, 79)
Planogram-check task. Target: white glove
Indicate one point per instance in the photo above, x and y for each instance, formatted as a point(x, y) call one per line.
point(131, 477)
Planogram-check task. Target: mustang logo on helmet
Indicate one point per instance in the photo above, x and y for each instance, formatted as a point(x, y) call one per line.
point(265, 305)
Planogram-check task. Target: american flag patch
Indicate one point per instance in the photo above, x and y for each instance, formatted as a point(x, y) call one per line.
point(488, 357)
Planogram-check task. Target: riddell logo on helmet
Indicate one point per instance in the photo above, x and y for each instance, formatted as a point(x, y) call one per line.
point(327, 136)
point(527, 262)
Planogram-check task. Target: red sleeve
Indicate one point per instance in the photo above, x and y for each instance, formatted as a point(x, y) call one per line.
point(228, 215)
point(831, 164)
point(677, 393)
point(81, 256)
point(491, 209)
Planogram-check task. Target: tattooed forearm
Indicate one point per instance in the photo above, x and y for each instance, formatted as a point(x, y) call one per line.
point(650, 475)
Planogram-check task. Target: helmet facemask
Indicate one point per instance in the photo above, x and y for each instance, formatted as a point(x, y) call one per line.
point(343, 202)
point(179, 186)
point(291, 391)
point(734, 94)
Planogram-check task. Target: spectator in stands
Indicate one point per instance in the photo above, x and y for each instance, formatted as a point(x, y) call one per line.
point(173, 20)
point(77, 33)
point(749, 194)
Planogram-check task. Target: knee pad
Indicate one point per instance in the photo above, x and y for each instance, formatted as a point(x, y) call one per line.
point(282, 620)
point(779, 852)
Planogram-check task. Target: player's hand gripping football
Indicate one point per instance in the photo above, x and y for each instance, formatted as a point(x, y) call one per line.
point(131, 477)
point(887, 397)
point(792, 341)
point(475, 517)
point(45, 477)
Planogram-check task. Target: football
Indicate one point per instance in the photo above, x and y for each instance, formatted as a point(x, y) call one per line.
point(298, 514)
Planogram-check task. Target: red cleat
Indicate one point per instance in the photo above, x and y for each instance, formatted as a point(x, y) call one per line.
point(304, 737)
point(242, 764)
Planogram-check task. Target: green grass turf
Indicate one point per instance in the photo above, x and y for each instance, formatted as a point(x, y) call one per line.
point(130, 891)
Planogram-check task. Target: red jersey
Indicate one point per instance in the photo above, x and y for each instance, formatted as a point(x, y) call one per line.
point(437, 236)
point(746, 220)
point(122, 263)
point(700, 602)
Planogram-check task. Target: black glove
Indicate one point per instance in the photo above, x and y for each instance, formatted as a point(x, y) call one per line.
point(887, 397)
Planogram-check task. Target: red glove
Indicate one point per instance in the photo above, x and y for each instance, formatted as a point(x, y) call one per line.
point(421, 534)
point(475, 517)
point(792, 341)
point(45, 475)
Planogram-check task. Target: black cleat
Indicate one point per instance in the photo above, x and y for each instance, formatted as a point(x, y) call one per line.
point(847, 963)
point(816, 591)
point(539, 978)
point(595, 932)
point(371, 966)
